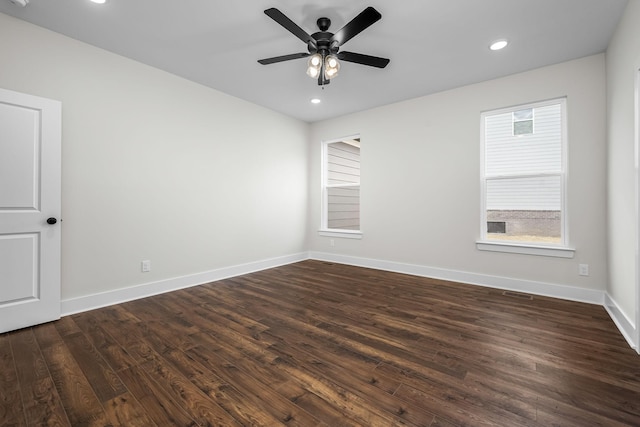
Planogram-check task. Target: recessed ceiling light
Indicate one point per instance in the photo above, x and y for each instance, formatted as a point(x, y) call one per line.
point(316, 101)
point(498, 44)
point(99, 1)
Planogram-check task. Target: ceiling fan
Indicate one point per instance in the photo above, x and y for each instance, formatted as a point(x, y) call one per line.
point(324, 47)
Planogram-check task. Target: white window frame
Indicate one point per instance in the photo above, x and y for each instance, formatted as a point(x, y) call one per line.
point(324, 230)
point(561, 249)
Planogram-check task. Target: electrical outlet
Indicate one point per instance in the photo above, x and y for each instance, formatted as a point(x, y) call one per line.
point(146, 266)
point(583, 269)
point(332, 242)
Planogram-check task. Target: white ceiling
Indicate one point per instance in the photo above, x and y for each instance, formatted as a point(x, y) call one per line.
point(433, 45)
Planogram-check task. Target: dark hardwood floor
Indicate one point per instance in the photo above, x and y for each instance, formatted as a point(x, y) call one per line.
point(317, 344)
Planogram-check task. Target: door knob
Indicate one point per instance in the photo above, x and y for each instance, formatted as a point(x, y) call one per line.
point(51, 221)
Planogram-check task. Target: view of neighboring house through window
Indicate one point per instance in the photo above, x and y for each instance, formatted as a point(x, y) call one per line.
point(524, 173)
point(341, 185)
point(523, 122)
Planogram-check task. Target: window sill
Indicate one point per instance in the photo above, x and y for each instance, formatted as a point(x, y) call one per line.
point(345, 234)
point(526, 249)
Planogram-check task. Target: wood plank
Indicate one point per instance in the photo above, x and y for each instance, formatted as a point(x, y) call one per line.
point(112, 352)
point(77, 396)
point(456, 408)
point(553, 412)
point(155, 400)
point(124, 410)
point(66, 326)
point(319, 365)
point(104, 381)
point(197, 404)
point(331, 391)
point(596, 397)
point(224, 394)
point(11, 412)
point(168, 326)
point(42, 404)
point(257, 392)
point(358, 364)
point(253, 362)
point(130, 333)
point(441, 422)
point(362, 339)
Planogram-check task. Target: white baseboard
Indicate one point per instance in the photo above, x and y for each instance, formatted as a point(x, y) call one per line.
point(526, 286)
point(117, 296)
point(104, 299)
point(626, 326)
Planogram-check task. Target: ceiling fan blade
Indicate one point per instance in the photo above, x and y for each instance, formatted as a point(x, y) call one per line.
point(359, 58)
point(290, 26)
point(282, 58)
point(358, 24)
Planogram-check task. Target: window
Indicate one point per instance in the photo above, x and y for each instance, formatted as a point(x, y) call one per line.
point(523, 122)
point(523, 174)
point(341, 186)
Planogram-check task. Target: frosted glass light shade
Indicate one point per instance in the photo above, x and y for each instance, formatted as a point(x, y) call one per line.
point(314, 65)
point(331, 66)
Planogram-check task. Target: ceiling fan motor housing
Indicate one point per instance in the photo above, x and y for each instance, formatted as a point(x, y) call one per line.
point(323, 23)
point(322, 39)
point(323, 43)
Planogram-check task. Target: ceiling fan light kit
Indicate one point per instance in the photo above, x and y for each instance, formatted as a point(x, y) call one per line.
point(314, 65)
point(324, 47)
point(331, 67)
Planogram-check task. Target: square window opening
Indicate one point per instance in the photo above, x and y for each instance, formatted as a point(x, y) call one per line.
point(523, 122)
point(523, 180)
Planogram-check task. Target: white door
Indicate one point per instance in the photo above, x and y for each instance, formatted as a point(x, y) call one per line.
point(30, 140)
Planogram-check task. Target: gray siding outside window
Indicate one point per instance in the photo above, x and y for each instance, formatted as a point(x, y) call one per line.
point(343, 186)
point(533, 154)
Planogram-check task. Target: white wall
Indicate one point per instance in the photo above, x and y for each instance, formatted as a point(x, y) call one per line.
point(623, 62)
point(156, 167)
point(420, 194)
